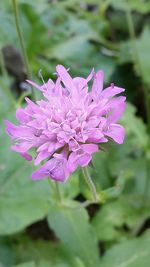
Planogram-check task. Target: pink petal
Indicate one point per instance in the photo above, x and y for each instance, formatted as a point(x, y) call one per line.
point(116, 132)
point(41, 156)
point(32, 106)
point(58, 87)
point(82, 82)
point(10, 128)
point(79, 82)
point(34, 85)
point(95, 135)
point(48, 86)
point(26, 156)
point(60, 172)
point(18, 131)
point(81, 157)
point(72, 163)
point(89, 148)
point(84, 160)
point(21, 116)
point(54, 168)
point(22, 147)
point(116, 113)
point(43, 171)
point(111, 91)
point(65, 77)
point(97, 84)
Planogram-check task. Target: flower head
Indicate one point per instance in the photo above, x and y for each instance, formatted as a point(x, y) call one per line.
point(69, 124)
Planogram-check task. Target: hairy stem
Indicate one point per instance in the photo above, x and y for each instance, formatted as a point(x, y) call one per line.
point(146, 93)
point(90, 183)
point(55, 189)
point(21, 41)
point(58, 193)
point(137, 61)
point(2, 64)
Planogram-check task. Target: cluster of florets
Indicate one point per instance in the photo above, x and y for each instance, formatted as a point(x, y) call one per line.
point(69, 124)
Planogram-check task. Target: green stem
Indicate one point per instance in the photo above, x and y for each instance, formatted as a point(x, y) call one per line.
point(2, 64)
point(137, 61)
point(90, 183)
point(147, 180)
point(146, 92)
point(22, 42)
point(21, 98)
point(55, 188)
point(58, 193)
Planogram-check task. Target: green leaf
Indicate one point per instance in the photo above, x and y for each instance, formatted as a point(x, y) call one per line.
point(144, 56)
point(71, 225)
point(119, 166)
point(70, 189)
point(142, 7)
point(26, 264)
point(43, 253)
point(135, 127)
point(9, 35)
point(74, 46)
point(110, 220)
point(100, 172)
point(135, 253)
point(127, 54)
point(6, 254)
point(22, 201)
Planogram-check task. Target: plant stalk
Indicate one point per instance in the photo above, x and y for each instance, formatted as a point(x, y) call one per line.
point(22, 42)
point(146, 94)
point(137, 61)
point(58, 193)
point(2, 64)
point(90, 183)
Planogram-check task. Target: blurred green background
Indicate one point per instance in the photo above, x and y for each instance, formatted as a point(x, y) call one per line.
point(36, 231)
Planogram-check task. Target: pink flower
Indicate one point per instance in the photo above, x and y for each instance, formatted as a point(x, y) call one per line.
point(68, 126)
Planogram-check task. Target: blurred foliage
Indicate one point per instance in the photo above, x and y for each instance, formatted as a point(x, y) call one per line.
point(133, 253)
point(80, 35)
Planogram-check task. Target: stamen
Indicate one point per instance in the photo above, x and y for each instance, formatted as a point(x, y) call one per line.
point(74, 140)
point(41, 76)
